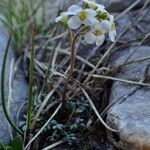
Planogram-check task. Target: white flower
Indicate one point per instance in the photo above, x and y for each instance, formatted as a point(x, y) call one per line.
point(94, 5)
point(63, 17)
point(95, 35)
point(81, 16)
point(109, 26)
point(112, 32)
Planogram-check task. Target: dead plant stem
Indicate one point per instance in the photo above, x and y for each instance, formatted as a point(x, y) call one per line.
point(72, 63)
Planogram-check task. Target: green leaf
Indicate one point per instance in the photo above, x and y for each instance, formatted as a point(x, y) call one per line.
point(8, 148)
point(17, 143)
point(2, 146)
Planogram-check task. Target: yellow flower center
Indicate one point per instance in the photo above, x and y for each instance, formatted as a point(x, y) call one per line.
point(82, 15)
point(113, 26)
point(97, 32)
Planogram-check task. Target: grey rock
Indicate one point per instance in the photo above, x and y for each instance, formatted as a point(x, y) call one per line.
point(19, 91)
point(130, 114)
point(121, 24)
point(137, 29)
point(120, 5)
point(52, 9)
point(144, 23)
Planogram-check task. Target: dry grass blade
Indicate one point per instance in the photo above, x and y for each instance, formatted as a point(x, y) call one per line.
point(66, 51)
point(90, 101)
point(52, 39)
point(43, 104)
point(78, 57)
point(10, 94)
point(136, 60)
point(121, 80)
point(96, 112)
point(11, 80)
point(54, 145)
point(41, 130)
point(128, 9)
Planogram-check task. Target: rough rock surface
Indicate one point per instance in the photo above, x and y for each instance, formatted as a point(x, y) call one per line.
point(120, 5)
point(53, 7)
point(19, 90)
point(136, 30)
point(131, 112)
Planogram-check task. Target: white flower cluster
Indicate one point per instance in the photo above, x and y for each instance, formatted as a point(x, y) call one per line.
point(91, 15)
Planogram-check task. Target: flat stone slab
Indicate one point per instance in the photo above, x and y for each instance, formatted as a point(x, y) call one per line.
point(131, 113)
point(19, 90)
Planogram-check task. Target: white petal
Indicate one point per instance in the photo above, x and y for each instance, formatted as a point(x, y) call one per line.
point(100, 40)
point(100, 10)
point(86, 1)
point(115, 33)
point(90, 20)
point(74, 9)
point(66, 13)
point(112, 35)
point(90, 38)
point(58, 19)
point(106, 25)
point(62, 16)
point(101, 6)
point(97, 26)
point(91, 12)
point(74, 22)
point(111, 18)
point(93, 4)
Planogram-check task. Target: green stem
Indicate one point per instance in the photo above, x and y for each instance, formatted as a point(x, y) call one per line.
point(70, 34)
point(30, 104)
point(3, 88)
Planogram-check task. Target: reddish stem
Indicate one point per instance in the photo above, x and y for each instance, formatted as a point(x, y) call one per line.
point(72, 63)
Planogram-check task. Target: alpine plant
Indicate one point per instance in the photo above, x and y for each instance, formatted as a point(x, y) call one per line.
point(92, 16)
